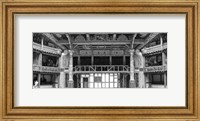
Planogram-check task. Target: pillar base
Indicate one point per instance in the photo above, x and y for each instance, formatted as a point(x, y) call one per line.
point(132, 84)
point(70, 84)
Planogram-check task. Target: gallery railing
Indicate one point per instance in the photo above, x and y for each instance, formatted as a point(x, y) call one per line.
point(48, 69)
point(46, 49)
point(102, 68)
point(154, 48)
point(155, 69)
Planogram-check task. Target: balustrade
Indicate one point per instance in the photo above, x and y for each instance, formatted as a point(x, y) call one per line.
point(108, 68)
point(46, 48)
point(155, 69)
point(155, 48)
point(46, 69)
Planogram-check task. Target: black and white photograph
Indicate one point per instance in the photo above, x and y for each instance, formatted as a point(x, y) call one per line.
point(99, 60)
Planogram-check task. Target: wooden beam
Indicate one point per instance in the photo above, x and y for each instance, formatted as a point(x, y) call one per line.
point(102, 43)
point(86, 72)
point(133, 40)
point(149, 39)
point(137, 41)
point(54, 40)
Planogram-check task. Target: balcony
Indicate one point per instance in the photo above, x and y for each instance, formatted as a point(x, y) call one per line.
point(101, 68)
point(47, 69)
point(154, 48)
point(46, 49)
point(155, 69)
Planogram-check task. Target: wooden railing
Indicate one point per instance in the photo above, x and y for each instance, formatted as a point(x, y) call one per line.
point(47, 69)
point(154, 48)
point(102, 68)
point(155, 69)
point(46, 48)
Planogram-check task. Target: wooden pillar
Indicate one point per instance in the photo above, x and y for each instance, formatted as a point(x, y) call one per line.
point(141, 79)
point(132, 80)
point(56, 80)
point(125, 82)
point(163, 63)
point(165, 72)
point(40, 54)
point(163, 54)
point(161, 41)
point(165, 79)
point(70, 81)
point(110, 57)
point(148, 80)
point(124, 60)
point(92, 60)
point(79, 60)
point(40, 64)
point(62, 81)
point(40, 59)
point(39, 77)
point(163, 58)
point(42, 43)
point(63, 65)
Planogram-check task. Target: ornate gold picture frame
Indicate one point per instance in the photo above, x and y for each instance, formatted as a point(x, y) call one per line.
point(8, 10)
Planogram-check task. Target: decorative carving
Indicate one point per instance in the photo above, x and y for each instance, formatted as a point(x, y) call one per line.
point(122, 38)
point(85, 52)
point(101, 37)
point(117, 52)
point(101, 52)
point(80, 38)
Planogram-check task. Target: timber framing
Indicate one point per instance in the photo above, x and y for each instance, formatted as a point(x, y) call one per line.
point(149, 39)
point(54, 40)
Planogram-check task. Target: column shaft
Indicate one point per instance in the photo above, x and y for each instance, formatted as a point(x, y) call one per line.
point(132, 80)
point(124, 60)
point(40, 64)
point(92, 59)
point(163, 63)
point(79, 60)
point(62, 82)
point(70, 81)
point(110, 58)
point(141, 81)
point(165, 79)
point(39, 77)
point(63, 65)
point(40, 59)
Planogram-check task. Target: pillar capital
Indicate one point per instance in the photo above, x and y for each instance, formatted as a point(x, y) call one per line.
point(138, 51)
point(132, 51)
point(71, 52)
point(65, 52)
